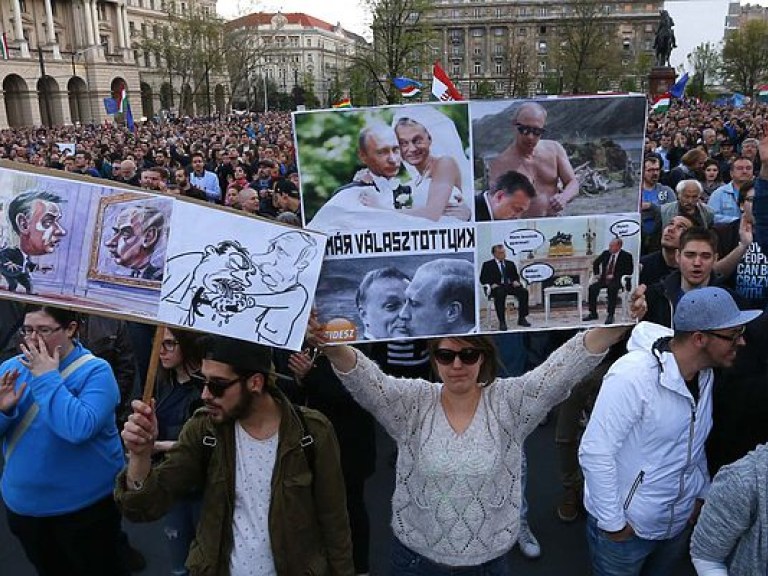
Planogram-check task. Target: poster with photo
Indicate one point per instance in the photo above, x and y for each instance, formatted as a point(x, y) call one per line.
point(391, 167)
point(397, 284)
point(581, 155)
point(563, 272)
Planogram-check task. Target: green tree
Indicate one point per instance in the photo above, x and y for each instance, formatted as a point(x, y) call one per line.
point(401, 41)
point(520, 67)
point(745, 56)
point(189, 48)
point(705, 63)
point(484, 90)
point(589, 56)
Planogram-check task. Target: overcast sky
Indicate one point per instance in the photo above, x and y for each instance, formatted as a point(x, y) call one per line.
point(696, 21)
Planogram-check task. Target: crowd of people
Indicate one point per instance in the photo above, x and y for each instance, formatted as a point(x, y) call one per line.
point(268, 478)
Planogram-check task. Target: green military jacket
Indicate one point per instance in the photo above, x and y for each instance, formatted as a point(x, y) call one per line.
point(308, 523)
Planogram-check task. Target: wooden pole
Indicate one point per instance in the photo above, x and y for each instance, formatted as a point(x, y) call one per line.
point(154, 360)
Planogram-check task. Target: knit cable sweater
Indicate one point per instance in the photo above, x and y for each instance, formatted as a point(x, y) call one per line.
point(457, 497)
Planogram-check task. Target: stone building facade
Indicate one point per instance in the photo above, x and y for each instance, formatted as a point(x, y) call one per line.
point(296, 48)
point(475, 38)
point(66, 56)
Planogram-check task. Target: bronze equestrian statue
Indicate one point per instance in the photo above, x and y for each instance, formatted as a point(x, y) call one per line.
point(665, 39)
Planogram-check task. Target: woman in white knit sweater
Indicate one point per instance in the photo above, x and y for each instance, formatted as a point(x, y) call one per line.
point(457, 491)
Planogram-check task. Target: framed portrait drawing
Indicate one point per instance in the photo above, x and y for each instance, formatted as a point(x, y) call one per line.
point(130, 240)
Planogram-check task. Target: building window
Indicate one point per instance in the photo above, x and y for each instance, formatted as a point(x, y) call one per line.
point(477, 32)
point(542, 30)
point(309, 42)
point(23, 5)
point(131, 28)
point(498, 49)
point(522, 31)
point(542, 66)
point(478, 68)
point(53, 7)
point(542, 47)
point(498, 67)
point(498, 31)
point(627, 44)
point(147, 60)
point(101, 11)
point(477, 51)
point(543, 11)
point(456, 50)
point(500, 86)
point(499, 12)
point(456, 70)
point(104, 41)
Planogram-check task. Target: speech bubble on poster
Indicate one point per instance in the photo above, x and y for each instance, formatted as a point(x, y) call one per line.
point(625, 228)
point(537, 272)
point(524, 240)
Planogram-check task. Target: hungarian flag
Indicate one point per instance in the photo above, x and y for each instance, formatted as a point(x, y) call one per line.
point(442, 87)
point(407, 87)
point(345, 103)
point(124, 107)
point(661, 104)
point(4, 47)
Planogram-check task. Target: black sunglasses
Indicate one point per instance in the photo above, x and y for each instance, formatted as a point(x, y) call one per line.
point(218, 387)
point(466, 355)
point(524, 129)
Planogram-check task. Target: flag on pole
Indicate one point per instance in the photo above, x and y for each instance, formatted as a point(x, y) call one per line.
point(442, 87)
point(110, 106)
point(129, 116)
point(122, 98)
point(4, 47)
point(345, 103)
point(661, 104)
point(407, 87)
point(678, 89)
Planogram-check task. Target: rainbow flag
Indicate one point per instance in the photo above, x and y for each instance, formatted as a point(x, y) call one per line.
point(345, 103)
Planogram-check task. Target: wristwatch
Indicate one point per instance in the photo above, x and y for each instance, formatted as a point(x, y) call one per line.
point(135, 484)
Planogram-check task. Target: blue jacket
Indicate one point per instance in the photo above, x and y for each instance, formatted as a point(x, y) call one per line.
point(725, 202)
point(71, 453)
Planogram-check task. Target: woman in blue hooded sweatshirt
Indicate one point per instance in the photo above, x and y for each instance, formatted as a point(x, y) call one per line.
point(61, 448)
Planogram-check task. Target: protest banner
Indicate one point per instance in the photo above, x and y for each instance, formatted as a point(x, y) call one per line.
point(75, 242)
point(394, 189)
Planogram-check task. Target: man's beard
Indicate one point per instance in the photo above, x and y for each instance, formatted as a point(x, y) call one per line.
point(239, 410)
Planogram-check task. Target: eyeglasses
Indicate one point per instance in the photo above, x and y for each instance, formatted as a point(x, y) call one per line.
point(218, 387)
point(467, 356)
point(43, 331)
point(732, 338)
point(525, 130)
point(169, 345)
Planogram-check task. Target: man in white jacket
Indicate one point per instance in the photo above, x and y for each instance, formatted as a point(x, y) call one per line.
point(642, 454)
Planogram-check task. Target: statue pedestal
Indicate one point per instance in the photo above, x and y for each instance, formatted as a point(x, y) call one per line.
point(660, 80)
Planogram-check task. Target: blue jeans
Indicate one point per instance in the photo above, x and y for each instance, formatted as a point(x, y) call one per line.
point(635, 556)
point(180, 525)
point(406, 562)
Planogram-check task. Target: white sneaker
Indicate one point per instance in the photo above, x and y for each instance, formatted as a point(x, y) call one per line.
point(527, 542)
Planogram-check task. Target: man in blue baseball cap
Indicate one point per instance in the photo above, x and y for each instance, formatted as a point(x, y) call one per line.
point(642, 454)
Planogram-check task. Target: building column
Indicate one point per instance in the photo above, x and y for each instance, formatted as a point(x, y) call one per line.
point(51, 31)
point(120, 27)
point(128, 52)
point(95, 20)
point(88, 21)
point(18, 31)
